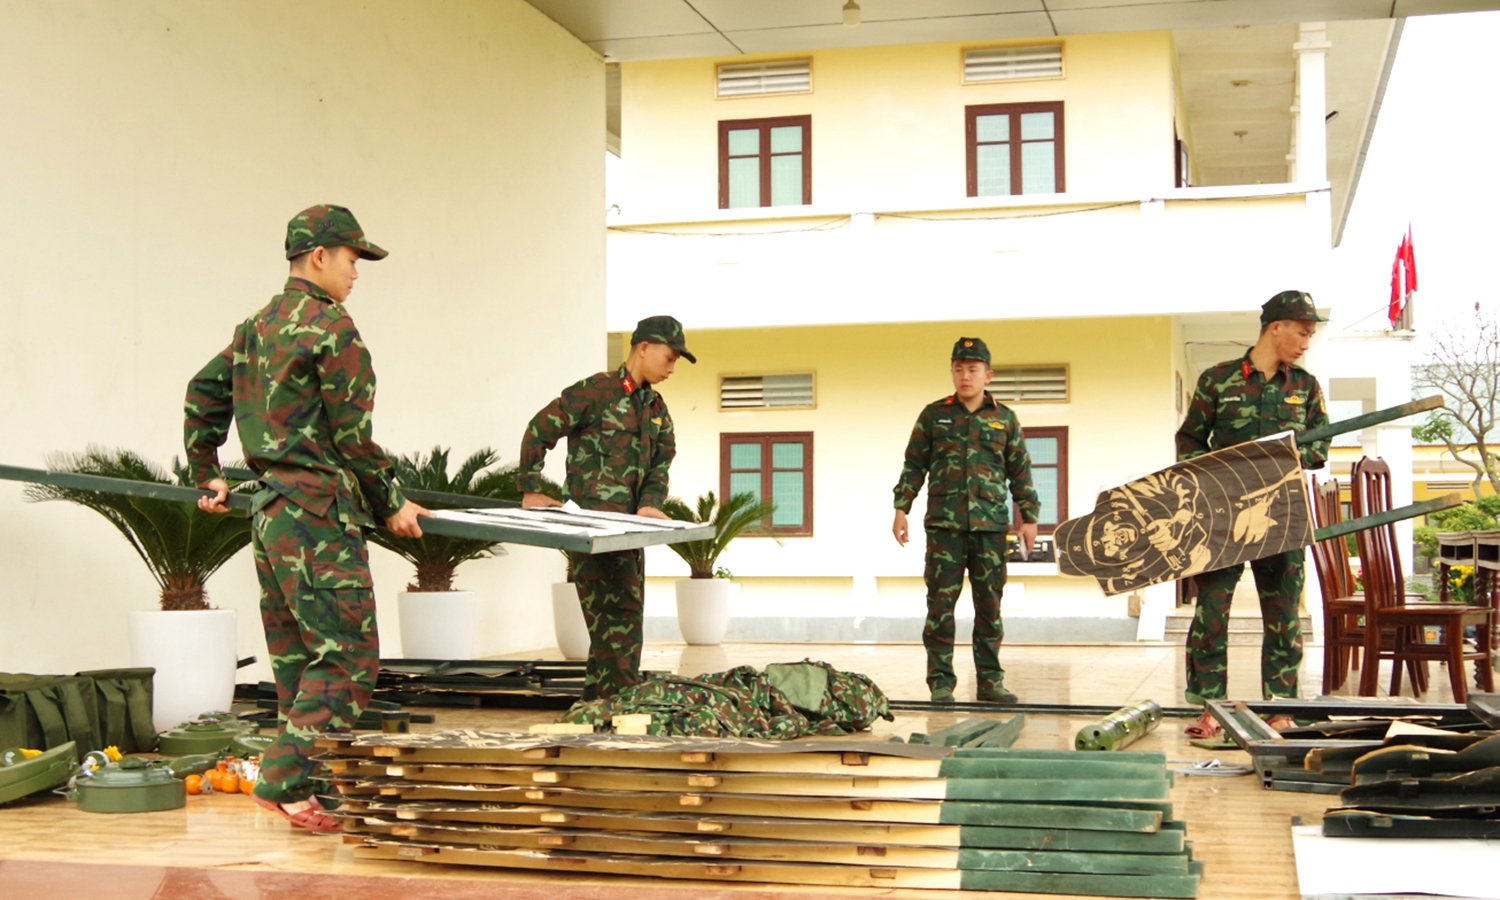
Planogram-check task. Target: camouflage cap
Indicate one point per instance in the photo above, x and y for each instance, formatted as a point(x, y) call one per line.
point(971, 348)
point(662, 330)
point(1294, 305)
point(326, 225)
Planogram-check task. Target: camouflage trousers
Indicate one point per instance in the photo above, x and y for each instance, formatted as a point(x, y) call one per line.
point(318, 610)
point(1278, 581)
point(611, 589)
point(949, 554)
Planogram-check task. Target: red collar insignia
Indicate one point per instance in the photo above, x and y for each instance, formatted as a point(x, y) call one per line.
point(628, 384)
point(1245, 368)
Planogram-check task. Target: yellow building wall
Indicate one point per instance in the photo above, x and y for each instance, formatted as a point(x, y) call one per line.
point(888, 123)
point(871, 382)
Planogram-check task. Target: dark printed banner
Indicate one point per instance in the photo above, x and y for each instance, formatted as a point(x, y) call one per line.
point(1230, 506)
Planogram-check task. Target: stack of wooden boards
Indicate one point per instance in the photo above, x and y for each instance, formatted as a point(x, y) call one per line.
point(807, 812)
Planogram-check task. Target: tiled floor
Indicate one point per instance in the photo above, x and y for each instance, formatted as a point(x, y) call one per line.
point(223, 847)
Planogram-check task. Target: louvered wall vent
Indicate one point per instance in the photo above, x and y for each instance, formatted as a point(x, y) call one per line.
point(787, 76)
point(766, 391)
point(1013, 63)
point(1030, 384)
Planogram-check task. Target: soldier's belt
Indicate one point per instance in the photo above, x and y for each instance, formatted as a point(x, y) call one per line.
point(582, 531)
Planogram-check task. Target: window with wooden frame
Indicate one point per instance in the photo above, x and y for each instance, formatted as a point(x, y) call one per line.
point(765, 162)
point(1014, 148)
point(1048, 447)
point(774, 465)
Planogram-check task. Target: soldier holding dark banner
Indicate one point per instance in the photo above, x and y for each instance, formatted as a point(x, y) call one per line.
point(968, 448)
point(620, 444)
point(1260, 394)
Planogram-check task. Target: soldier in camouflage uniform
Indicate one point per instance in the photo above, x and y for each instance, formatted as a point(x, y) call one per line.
point(968, 447)
point(296, 381)
point(620, 443)
point(1260, 394)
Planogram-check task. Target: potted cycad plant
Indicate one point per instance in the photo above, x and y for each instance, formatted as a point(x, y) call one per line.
point(703, 597)
point(439, 621)
point(190, 644)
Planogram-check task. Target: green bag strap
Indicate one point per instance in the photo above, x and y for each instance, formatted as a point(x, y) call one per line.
point(112, 714)
point(81, 712)
point(49, 717)
point(138, 703)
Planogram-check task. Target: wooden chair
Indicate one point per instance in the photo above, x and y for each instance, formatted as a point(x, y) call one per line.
point(1343, 607)
point(1387, 613)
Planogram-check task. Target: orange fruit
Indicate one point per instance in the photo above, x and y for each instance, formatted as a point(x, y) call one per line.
point(247, 785)
point(194, 784)
point(229, 782)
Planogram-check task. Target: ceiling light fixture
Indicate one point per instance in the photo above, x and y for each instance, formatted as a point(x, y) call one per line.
point(851, 14)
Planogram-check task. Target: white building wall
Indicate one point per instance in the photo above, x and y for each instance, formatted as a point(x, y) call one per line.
point(153, 152)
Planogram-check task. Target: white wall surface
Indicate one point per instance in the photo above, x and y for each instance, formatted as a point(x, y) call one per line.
point(152, 154)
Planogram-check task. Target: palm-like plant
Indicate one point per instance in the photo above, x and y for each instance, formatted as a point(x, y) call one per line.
point(437, 557)
point(180, 544)
point(735, 516)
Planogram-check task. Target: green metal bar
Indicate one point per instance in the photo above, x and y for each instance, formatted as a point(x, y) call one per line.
point(429, 499)
point(1375, 520)
point(150, 490)
point(1377, 417)
point(536, 537)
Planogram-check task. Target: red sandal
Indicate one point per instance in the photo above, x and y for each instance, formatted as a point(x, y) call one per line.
point(313, 819)
point(1205, 729)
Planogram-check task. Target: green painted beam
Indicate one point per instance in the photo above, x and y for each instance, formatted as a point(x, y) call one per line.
point(539, 536)
point(1082, 766)
point(1072, 861)
point(429, 499)
point(1047, 815)
point(1088, 885)
point(1375, 520)
point(1168, 840)
point(1378, 417)
point(1056, 790)
point(150, 490)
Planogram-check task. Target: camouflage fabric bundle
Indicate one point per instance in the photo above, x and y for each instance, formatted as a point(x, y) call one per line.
point(743, 702)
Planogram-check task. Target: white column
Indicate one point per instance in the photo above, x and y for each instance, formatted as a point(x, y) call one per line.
point(1310, 155)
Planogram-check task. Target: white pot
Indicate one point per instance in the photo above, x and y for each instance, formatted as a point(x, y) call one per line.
point(194, 654)
point(703, 608)
point(437, 624)
point(567, 621)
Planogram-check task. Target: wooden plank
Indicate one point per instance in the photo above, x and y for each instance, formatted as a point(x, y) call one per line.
point(1011, 789)
point(1004, 736)
point(1036, 815)
point(730, 872)
point(803, 851)
point(787, 873)
point(1167, 840)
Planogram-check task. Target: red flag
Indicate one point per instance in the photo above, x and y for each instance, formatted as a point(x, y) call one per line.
point(1393, 312)
point(1409, 261)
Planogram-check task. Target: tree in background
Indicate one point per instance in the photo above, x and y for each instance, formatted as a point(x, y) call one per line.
point(1464, 366)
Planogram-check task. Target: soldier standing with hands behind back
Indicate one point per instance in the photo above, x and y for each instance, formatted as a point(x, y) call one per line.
point(968, 447)
point(620, 443)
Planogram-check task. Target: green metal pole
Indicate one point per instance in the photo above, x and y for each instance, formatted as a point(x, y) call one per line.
point(1375, 520)
point(151, 490)
point(1375, 418)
